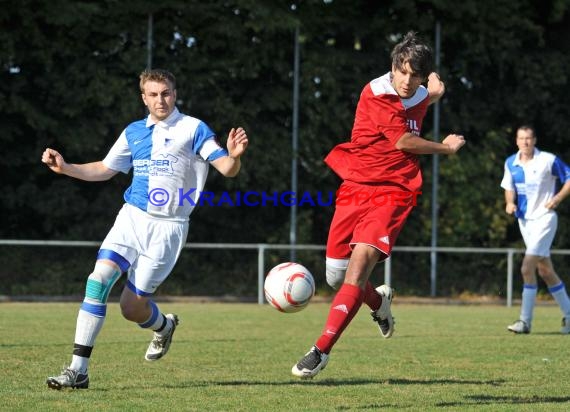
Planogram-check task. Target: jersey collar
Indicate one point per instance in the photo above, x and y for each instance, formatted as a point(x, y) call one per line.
point(166, 123)
point(517, 161)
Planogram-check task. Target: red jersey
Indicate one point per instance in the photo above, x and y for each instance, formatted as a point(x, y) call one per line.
point(382, 117)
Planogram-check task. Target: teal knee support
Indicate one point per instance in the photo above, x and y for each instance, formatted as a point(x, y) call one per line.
point(100, 282)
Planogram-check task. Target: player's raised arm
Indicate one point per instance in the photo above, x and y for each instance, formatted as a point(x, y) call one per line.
point(237, 143)
point(435, 87)
point(91, 172)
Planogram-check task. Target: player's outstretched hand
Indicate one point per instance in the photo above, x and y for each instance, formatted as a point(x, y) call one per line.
point(454, 142)
point(237, 142)
point(53, 160)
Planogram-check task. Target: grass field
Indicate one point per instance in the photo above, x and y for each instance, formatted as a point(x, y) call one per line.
point(237, 357)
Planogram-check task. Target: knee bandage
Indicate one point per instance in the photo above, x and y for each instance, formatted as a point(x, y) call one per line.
point(336, 270)
point(100, 282)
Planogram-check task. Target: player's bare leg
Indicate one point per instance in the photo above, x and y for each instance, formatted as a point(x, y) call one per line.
point(344, 307)
point(145, 312)
point(557, 289)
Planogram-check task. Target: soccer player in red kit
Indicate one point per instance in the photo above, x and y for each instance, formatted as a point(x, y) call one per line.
point(381, 179)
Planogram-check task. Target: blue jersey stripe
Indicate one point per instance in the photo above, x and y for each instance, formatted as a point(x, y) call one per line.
point(560, 170)
point(139, 138)
point(517, 172)
point(203, 133)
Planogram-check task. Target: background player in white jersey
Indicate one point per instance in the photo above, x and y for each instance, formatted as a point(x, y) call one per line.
point(379, 162)
point(170, 154)
point(530, 181)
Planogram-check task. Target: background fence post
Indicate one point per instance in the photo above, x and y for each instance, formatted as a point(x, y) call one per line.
point(260, 272)
point(510, 255)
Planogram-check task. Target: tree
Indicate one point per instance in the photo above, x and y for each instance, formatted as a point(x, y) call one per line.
point(69, 79)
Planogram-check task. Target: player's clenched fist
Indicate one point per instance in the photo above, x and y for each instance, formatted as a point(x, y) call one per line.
point(53, 160)
point(454, 142)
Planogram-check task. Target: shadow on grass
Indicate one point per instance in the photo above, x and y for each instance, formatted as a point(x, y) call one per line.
point(489, 400)
point(331, 383)
point(341, 382)
point(335, 382)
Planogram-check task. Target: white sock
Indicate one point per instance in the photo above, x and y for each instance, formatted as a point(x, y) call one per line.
point(79, 363)
point(157, 322)
point(528, 300)
point(559, 294)
point(167, 327)
point(90, 320)
point(88, 327)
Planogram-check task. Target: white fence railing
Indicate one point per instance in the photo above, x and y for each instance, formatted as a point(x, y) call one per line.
point(263, 247)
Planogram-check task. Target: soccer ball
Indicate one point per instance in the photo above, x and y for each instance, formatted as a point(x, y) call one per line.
point(289, 287)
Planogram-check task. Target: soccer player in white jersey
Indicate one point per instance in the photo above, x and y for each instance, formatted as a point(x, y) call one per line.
point(170, 154)
point(530, 183)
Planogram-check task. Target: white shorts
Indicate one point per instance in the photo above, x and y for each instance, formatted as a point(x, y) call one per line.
point(538, 234)
point(151, 245)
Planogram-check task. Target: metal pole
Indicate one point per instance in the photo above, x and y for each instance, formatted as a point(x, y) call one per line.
point(260, 273)
point(295, 145)
point(435, 174)
point(149, 43)
point(510, 255)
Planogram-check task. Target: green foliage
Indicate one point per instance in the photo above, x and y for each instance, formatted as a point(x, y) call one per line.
point(69, 80)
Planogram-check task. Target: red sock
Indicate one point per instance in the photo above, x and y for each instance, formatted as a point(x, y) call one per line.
point(343, 308)
point(371, 297)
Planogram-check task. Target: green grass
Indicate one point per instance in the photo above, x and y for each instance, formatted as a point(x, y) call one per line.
point(238, 357)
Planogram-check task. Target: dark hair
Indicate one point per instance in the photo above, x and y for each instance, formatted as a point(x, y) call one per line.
point(418, 54)
point(527, 127)
point(157, 75)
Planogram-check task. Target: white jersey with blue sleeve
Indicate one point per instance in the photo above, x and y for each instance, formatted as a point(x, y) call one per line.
point(534, 182)
point(170, 161)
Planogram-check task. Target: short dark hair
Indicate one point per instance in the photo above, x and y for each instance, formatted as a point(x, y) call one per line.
point(527, 127)
point(413, 51)
point(157, 75)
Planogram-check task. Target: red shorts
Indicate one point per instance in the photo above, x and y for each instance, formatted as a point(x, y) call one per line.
point(373, 215)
